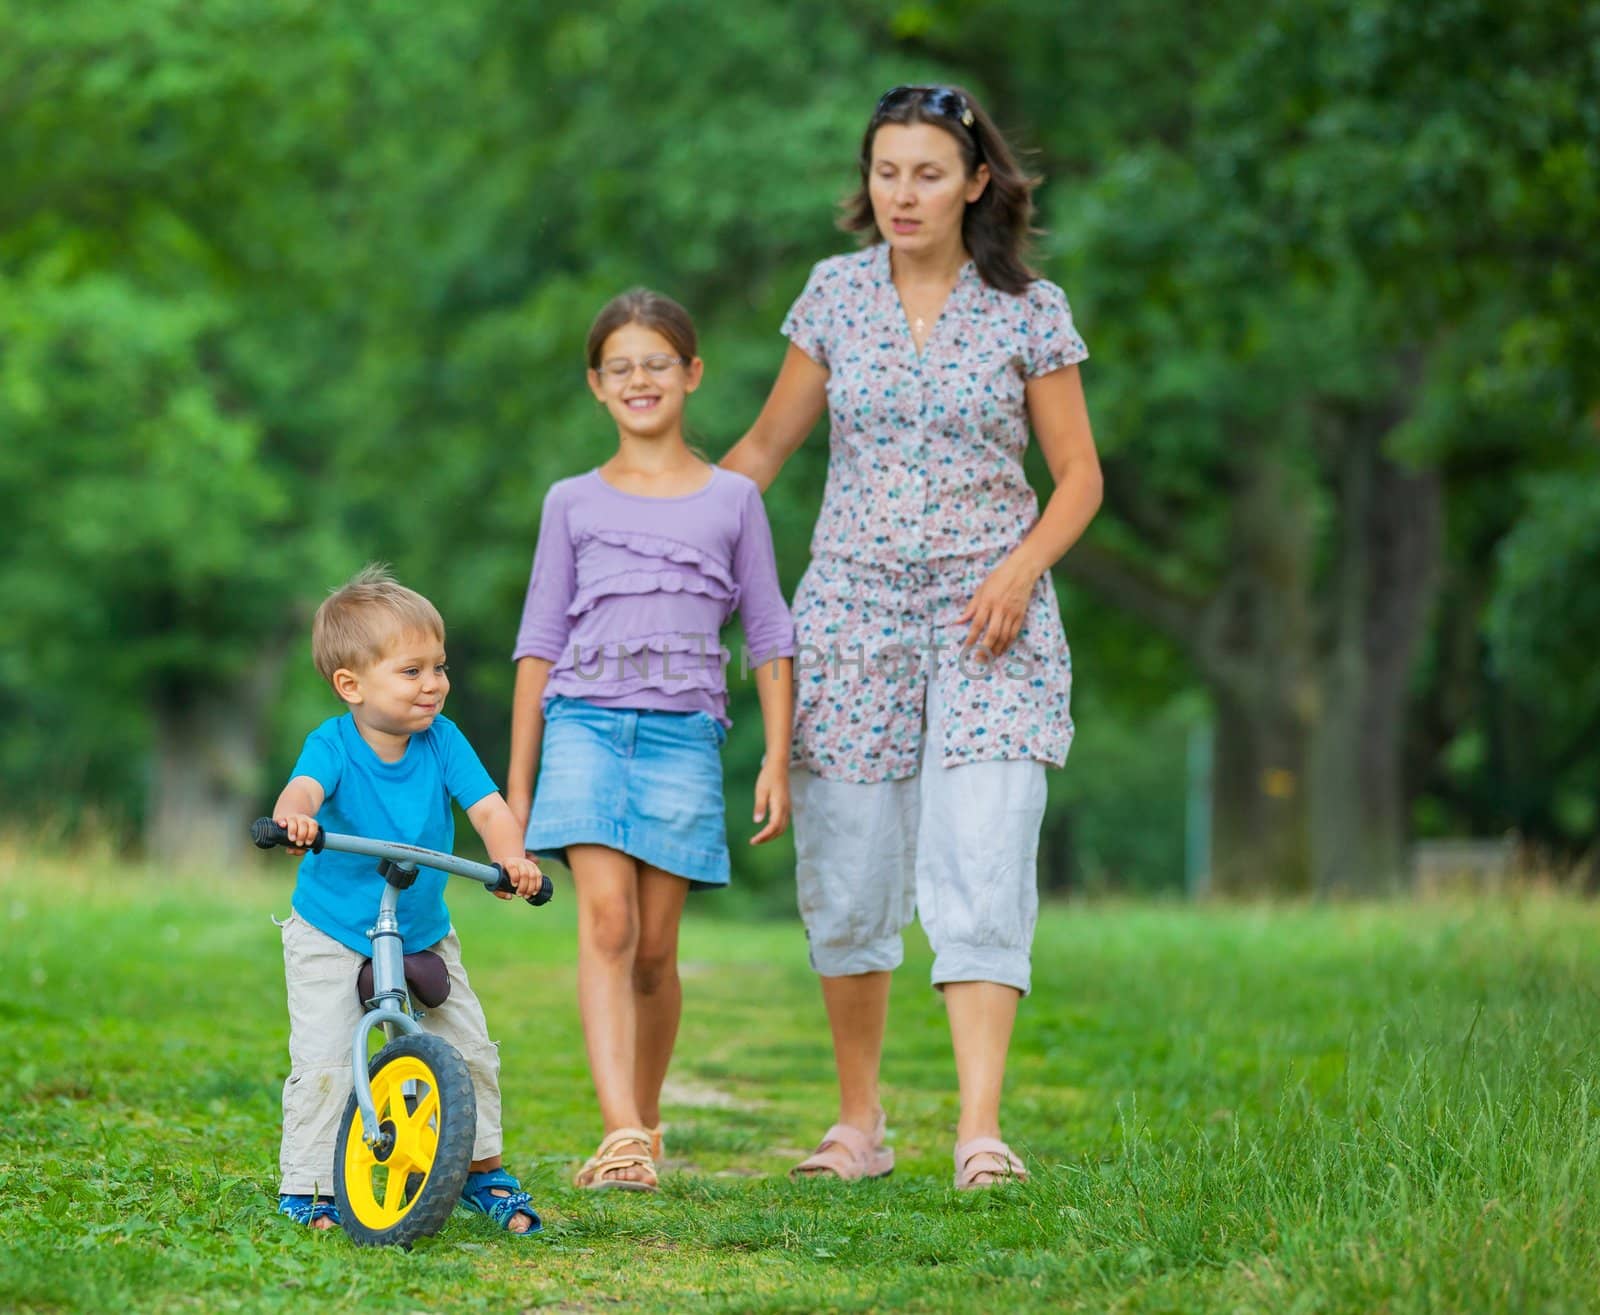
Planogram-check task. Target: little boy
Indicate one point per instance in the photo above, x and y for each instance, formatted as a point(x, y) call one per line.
point(388, 769)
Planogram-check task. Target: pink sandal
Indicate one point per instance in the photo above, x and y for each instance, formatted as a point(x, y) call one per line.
point(848, 1154)
point(1002, 1164)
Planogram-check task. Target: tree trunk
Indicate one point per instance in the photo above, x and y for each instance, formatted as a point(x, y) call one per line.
point(1311, 692)
point(205, 784)
point(1385, 581)
point(1259, 800)
point(1255, 645)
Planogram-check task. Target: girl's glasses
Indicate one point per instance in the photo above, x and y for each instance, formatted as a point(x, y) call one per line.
point(620, 369)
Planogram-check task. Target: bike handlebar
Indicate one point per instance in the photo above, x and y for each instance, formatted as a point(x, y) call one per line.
point(266, 834)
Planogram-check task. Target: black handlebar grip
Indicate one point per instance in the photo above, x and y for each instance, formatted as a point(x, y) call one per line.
point(504, 887)
point(266, 833)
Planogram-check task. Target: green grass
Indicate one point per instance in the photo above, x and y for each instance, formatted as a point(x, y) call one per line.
point(1328, 1109)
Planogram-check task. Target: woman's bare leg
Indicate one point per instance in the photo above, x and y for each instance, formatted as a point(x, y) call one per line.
point(858, 1014)
point(982, 1015)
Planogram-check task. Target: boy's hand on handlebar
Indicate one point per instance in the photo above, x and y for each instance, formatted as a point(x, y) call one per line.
point(302, 830)
point(524, 874)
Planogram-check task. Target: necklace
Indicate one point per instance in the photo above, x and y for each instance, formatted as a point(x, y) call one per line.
point(920, 328)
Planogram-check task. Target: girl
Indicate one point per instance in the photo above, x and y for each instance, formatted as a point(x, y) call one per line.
point(621, 706)
point(935, 350)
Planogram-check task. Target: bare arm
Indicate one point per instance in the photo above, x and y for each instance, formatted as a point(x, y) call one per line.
point(502, 837)
point(296, 811)
point(1060, 420)
point(797, 400)
point(775, 689)
point(527, 738)
point(1061, 424)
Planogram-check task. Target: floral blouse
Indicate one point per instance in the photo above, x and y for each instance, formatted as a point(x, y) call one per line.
point(925, 495)
point(925, 452)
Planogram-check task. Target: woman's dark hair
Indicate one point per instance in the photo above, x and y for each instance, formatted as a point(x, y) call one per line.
point(997, 226)
point(653, 311)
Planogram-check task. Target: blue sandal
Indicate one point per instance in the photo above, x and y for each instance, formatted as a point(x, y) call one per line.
point(307, 1210)
point(497, 1194)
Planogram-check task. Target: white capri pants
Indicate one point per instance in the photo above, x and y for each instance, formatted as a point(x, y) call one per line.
point(323, 1013)
point(958, 846)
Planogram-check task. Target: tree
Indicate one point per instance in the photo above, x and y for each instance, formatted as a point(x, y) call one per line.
point(186, 279)
point(1543, 620)
point(1298, 288)
point(286, 289)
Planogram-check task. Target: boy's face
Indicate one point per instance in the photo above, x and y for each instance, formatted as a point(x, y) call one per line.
point(404, 690)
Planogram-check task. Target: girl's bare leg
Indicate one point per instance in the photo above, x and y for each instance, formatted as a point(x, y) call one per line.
point(607, 884)
point(657, 992)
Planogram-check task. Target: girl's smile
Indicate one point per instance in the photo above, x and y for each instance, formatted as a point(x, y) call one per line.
point(644, 382)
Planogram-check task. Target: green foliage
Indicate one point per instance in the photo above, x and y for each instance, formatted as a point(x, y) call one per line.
point(1339, 1109)
point(288, 288)
point(1542, 622)
point(1353, 232)
point(1550, 599)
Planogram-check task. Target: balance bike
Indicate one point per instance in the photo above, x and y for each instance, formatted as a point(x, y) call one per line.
point(405, 1143)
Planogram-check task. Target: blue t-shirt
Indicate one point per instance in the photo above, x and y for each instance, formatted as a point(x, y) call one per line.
point(407, 801)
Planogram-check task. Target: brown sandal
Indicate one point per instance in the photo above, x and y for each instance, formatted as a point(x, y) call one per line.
point(847, 1153)
point(600, 1170)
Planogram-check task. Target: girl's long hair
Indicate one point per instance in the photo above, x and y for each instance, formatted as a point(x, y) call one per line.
point(996, 228)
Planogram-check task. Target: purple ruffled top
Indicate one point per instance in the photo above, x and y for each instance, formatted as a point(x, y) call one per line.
point(629, 594)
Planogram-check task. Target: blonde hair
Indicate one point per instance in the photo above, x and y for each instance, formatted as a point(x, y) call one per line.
point(358, 620)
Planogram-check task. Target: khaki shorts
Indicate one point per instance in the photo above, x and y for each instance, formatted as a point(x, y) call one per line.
point(323, 1013)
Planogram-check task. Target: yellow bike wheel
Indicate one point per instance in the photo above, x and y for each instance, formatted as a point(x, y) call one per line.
point(404, 1187)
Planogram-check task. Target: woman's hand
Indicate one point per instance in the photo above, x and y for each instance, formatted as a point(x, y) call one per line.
point(1000, 606)
point(1060, 421)
point(772, 802)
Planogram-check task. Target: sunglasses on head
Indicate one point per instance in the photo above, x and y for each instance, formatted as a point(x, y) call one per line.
point(943, 101)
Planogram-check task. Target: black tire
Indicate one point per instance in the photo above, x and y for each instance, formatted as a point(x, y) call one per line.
point(435, 1174)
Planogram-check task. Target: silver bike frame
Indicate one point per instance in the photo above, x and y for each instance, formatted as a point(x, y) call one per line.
point(392, 1010)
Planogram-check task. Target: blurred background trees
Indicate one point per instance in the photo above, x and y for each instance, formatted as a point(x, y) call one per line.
point(285, 288)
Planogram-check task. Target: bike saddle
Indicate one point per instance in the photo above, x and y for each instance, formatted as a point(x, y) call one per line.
point(426, 978)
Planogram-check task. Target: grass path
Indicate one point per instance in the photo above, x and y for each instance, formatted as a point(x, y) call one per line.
point(1361, 1109)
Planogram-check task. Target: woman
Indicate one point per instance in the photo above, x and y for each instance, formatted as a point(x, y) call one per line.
point(933, 676)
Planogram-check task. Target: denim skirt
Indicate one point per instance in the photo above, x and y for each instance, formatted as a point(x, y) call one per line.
point(643, 782)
